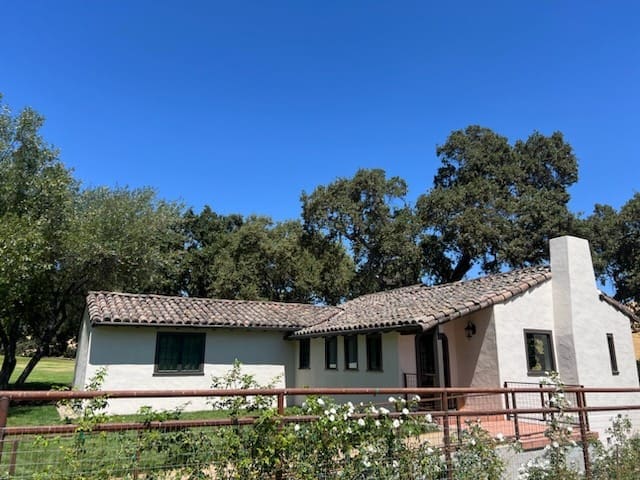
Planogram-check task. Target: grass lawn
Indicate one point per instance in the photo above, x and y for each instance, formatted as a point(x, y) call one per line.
point(49, 373)
point(58, 372)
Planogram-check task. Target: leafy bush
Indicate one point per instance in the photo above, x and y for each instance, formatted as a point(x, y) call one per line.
point(554, 464)
point(477, 458)
point(621, 459)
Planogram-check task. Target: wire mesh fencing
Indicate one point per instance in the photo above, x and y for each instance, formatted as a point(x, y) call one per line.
point(389, 434)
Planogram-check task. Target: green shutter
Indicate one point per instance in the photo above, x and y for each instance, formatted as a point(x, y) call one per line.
point(192, 351)
point(168, 352)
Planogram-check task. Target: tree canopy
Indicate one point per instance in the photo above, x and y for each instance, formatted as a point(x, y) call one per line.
point(58, 241)
point(493, 204)
point(370, 215)
point(615, 241)
point(254, 258)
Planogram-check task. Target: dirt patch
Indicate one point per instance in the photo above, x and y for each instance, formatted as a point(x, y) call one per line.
point(636, 344)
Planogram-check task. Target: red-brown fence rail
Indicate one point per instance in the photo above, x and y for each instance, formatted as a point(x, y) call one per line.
point(519, 412)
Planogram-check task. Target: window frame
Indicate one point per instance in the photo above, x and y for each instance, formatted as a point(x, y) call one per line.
point(613, 359)
point(331, 350)
point(374, 340)
point(350, 341)
point(180, 371)
point(551, 352)
point(304, 354)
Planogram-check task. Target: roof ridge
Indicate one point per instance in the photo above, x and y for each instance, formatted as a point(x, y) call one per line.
point(205, 299)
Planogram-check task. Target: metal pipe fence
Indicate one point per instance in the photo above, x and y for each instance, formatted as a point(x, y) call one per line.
point(161, 448)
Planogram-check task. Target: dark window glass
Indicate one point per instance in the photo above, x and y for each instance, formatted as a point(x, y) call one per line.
point(539, 352)
point(304, 353)
point(612, 354)
point(179, 352)
point(331, 353)
point(351, 352)
point(374, 352)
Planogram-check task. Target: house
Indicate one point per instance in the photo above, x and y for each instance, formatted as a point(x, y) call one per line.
point(506, 327)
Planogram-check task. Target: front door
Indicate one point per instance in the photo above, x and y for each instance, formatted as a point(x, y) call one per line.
point(427, 359)
point(426, 350)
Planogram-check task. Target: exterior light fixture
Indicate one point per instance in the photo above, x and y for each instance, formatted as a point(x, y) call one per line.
point(470, 329)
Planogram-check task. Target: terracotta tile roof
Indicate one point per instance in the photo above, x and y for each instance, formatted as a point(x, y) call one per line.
point(423, 307)
point(109, 308)
point(417, 306)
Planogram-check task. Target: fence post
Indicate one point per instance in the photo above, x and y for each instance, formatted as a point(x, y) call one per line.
point(516, 425)
point(582, 417)
point(506, 400)
point(278, 472)
point(14, 457)
point(280, 403)
point(544, 414)
point(4, 413)
point(136, 470)
point(447, 434)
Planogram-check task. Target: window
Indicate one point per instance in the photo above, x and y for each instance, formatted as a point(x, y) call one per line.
point(351, 352)
point(539, 352)
point(374, 352)
point(179, 353)
point(331, 353)
point(612, 354)
point(304, 353)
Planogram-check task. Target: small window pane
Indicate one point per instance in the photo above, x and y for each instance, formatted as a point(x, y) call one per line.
point(168, 353)
point(612, 354)
point(374, 352)
point(192, 349)
point(331, 353)
point(539, 352)
point(179, 352)
point(304, 353)
point(351, 352)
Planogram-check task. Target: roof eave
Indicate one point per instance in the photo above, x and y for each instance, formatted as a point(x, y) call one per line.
point(415, 328)
point(191, 325)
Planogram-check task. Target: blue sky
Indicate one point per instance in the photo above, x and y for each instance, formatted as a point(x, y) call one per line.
point(243, 105)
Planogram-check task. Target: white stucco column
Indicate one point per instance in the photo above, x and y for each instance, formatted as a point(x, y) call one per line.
point(574, 292)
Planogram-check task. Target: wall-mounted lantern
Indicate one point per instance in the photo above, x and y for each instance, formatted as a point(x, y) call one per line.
point(470, 329)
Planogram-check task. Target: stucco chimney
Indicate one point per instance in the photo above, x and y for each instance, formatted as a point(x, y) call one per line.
point(574, 288)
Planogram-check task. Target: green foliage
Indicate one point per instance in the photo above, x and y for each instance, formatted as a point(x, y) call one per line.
point(235, 379)
point(363, 441)
point(615, 241)
point(87, 413)
point(57, 242)
point(477, 457)
point(554, 464)
point(253, 258)
point(370, 215)
point(493, 204)
point(620, 459)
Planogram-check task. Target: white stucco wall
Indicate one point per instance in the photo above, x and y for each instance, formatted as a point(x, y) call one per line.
point(583, 321)
point(82, 354)
point(473, 361)
point(390, 376)
point(406, 356)
point(128, 353)
point(532, 310)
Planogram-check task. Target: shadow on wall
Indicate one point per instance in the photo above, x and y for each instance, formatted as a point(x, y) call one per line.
point(137, 346)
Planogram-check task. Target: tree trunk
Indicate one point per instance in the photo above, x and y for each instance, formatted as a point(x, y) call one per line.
point(33, 361)
point(464, 265)
point(8, 363)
